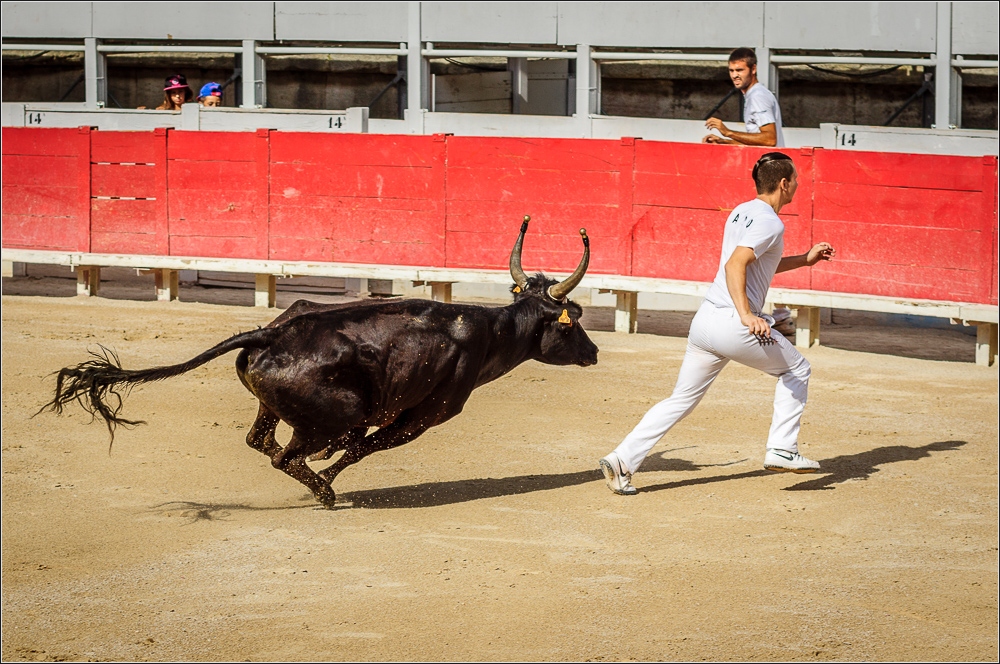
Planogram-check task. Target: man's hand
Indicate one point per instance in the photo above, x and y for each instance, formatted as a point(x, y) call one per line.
point(757, 327)
point(716, 124)
point(823, 251)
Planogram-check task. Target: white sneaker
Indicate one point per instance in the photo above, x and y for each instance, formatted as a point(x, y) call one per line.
point(783, 461)
point(619, 480)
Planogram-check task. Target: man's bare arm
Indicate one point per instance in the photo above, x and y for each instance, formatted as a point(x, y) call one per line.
point(736, 281)
point(768, 136)
point(823, 251)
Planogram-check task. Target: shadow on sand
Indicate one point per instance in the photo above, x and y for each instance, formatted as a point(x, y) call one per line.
point(434, 494)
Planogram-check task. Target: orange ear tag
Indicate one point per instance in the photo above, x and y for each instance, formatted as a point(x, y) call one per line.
point(517, 289)
point(565, 319)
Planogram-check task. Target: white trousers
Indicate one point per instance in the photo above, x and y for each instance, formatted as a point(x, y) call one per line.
point(717, 336)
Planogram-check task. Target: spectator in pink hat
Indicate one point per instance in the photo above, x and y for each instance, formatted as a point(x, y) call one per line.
point(176, 93)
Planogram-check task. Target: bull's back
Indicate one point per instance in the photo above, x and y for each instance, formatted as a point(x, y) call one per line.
point(366, 363)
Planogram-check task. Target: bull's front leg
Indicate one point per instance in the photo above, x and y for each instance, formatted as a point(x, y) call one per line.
point(291, 460)
point(405, 428)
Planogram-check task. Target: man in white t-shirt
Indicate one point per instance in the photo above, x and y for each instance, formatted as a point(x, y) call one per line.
point(731, 325)
point(761, 113)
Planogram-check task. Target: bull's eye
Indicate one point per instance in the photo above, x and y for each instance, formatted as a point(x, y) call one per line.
point(565, 319)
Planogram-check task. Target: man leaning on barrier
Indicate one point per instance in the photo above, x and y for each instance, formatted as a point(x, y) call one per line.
point(761, 113)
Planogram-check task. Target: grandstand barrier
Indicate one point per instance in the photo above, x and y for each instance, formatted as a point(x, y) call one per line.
point(914, 233)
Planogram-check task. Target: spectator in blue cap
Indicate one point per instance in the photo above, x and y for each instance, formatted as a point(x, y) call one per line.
point(210, 95)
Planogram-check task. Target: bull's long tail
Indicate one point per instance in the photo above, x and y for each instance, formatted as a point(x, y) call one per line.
point(99, 384)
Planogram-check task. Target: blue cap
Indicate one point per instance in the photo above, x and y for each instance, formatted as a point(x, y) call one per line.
point(210, 90)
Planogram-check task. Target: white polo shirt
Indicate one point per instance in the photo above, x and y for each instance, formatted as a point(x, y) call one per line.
point(761, 108)
point(753, 224)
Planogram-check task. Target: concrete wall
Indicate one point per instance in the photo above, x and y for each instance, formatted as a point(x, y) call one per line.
point(877, 26)
point(341, 21)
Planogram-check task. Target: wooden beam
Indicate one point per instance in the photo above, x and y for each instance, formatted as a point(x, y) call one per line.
point(88, 280)
point(167, 285)
point(440, 291)
point(626, 312)
point(986, 344)
point(806, 326)
point(265, 289)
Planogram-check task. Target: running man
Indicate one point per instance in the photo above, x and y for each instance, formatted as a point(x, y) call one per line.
point(730, 325)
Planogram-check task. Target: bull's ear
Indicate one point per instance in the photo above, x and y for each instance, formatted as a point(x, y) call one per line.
point(565, 319)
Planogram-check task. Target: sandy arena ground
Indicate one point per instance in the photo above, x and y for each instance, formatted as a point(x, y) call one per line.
point(493, 537)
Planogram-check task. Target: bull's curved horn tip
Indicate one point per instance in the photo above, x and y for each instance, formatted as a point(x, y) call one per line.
point(527, 218)
point(583, 232)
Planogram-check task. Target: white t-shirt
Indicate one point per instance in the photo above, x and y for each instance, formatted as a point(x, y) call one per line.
point(761, 108)
point(753, 224)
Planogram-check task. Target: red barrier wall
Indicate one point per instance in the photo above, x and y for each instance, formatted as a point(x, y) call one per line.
point(919, 226)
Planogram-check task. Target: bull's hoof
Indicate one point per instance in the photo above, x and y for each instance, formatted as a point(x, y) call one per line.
point(327, 499)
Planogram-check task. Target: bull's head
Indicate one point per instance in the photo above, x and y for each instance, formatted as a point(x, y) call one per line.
point(563, 339)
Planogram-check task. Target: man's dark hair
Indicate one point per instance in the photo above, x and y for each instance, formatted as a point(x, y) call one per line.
point(746, 55)
point(770, 170)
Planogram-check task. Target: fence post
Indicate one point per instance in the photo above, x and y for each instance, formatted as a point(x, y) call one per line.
point(262, 205)
point(84, 190)
point(162, 223)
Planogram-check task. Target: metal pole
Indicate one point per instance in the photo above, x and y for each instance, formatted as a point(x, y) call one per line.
point(252, 76)
point(585, 89)
point(416, 87)
point(94, 69)
point(943, 72)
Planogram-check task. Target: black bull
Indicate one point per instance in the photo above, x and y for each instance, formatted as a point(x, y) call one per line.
point(331, 372)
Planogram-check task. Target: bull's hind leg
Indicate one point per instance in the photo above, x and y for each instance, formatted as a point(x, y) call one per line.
point(261, 436)
point(291, 460)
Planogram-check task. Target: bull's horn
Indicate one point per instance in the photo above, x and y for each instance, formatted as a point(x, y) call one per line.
point(562, 289)
point(520, 278)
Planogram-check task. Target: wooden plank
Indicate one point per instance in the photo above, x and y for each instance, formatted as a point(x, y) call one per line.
point(214, 246)
point(362, 181)
point(38, 142)
point(542, 254)
point(208, 146)
point(319, 206)
point(133, 181)
point(124, 216)
point(918, 208)
point(389, 225)
point(564, 154)
point(529, 185)
point(125, 146)
point(125, 243)
point(897, 170)
point(206, 208)
point(923, 282)
point(356, 251)
point(888, 244)
point(504, 217)
point(219, 176)
point(351, 149)
point(40, 170)
point(48, 233)
point(218, 226)
point(41, 200)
